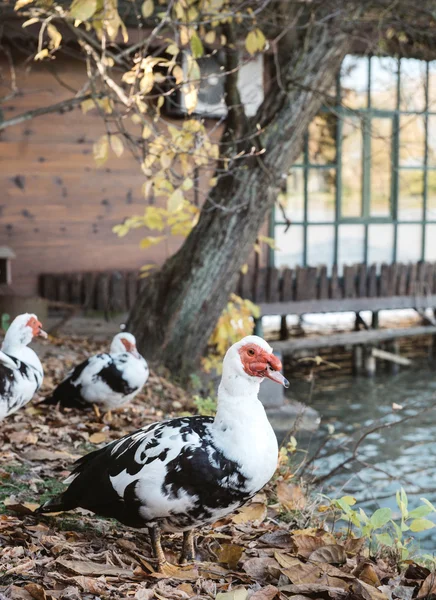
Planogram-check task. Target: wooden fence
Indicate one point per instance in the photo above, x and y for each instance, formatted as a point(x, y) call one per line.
point(284, 291)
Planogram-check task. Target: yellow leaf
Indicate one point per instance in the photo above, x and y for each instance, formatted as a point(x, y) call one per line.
point(213, 181)
point(175, 201)
point(101, 150)
point(41, 54)
point(187, 184)
point(261, 40)
point(136, 119)
point(153, 218)
point(147, 82)
point(129, 77)
point(185, 35)
point(178, 74)
point(151, 241)
point(166, 158)
point(30, 21)
point(82, 10)
point(98, 438)
point(244, 269)
point(87, 105)
point(210, 37)
point(256, 511)
point(172, 49)
point(22, 3)
point(147, 8)
point(117, 145)
point(269, 241)
point(147, 132)
point(251, 42)
point(146, 270)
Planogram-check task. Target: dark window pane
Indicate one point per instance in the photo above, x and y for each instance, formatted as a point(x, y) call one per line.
point(410, 195)
point(384, 74)
point(354, 81)
point(320, 245)
point(352, 167)
point(409, 243)
point(321, 194)
point(380, 243)
point(290, 246)
point(351, 243)
point(322, 139)
point(412, 84)
point(412, 137)
point(381, 166)
point(293, 200)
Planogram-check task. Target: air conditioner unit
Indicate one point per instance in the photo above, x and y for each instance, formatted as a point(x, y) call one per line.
point(211, 93)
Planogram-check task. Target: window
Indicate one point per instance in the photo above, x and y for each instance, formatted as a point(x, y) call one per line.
point(364, 189)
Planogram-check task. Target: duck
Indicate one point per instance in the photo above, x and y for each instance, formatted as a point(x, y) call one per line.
point(110, 379)
point(21, 372)
point(185, 472)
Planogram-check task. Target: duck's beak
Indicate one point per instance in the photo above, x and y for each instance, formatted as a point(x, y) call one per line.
point(273, 371)
point(135, 352)
point(43, 334)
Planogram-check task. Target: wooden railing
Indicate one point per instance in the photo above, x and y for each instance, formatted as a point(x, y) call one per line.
point(284, 291)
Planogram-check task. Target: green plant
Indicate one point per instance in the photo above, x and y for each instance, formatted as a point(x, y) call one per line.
point(381, 529)
point(206, 407)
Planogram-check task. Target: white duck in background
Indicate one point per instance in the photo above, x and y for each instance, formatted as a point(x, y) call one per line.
point(21, 372)
point(107, 380)
point(185, 472)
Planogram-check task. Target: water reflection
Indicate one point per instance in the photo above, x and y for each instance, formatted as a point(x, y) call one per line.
point(402, 455)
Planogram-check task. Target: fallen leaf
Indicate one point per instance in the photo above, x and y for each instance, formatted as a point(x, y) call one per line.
point(22, 567)
point(36, 591)
point(267, 593)
point(368, 592)
point(428, 588)
point(88, 567)
point(415, 571)
point(304, 545)
point(238, 594)
point(176, 572)
point(91, 585)
point(334, 554)
point(42, 455)
point(99, 437)
point(354, 546)
point(290, 496)
point(22, 508)
point(251, 512)
point(23, 437)
point(258, 567)
point(230, 554)
point(313, 588)
point(366, 573)
point(276, 539)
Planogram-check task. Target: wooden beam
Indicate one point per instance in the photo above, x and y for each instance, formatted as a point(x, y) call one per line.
point(399, 360)
point(350, 338)
point(347, 304)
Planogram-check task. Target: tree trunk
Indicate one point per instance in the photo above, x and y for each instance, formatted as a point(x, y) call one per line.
point(178, 308)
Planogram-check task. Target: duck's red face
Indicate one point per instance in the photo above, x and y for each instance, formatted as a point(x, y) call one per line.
point(130, 347)
point(36, 327)
point(257, 362)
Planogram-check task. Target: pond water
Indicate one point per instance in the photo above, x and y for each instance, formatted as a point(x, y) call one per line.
point(402, 455)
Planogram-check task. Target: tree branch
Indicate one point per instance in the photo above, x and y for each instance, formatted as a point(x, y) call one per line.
point(59, 107)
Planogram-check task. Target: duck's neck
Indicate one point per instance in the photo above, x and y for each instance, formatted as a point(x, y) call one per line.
point(14, 348)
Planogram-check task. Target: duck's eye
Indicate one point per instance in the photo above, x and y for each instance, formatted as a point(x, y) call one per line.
point(250, 352)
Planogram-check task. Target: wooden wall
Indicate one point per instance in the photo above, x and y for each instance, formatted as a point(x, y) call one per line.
point(57, 209)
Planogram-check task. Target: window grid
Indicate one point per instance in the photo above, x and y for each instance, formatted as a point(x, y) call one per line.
point(367, 115)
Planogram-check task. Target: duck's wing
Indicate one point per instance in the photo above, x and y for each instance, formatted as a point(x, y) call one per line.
point(9, 361)
point(166, 471)
point(69, 392)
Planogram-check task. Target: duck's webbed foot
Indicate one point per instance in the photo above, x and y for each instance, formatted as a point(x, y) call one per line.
point(156, 546)
point(188, 550)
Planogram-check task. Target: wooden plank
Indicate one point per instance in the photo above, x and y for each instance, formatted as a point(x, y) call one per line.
point(287, 291)
point(384, 280)
point(347, 304)
point(420, 278)
point(88, 283)
point(372, 282)
point(323, 284)
point(47, 286)
point(389, 356)
point(312, 283)
point(131, 287)
point(76, 288)
point(402, 280)
point(372, 336)
point(102, 291)
point(62, 287)
point(335, 290)
point(117, 292)
point(430, 278)
point(349, 281)
point(412, 279)
point(273, 293)
point(361, 285)
point(392, 278)
point(261, 283)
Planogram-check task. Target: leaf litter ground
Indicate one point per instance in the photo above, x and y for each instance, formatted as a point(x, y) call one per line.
point(257, 553)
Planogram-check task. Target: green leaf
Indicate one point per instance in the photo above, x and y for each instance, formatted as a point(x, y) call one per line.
point(350, 500)
point(385, 539)
point(82, 10)
point(196, 46)
point(421, 525)
point(147, 8)
point(421, 511)
point(429, 504)
point(380, 518)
